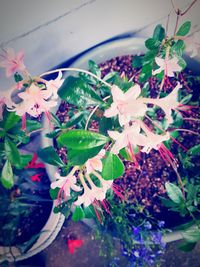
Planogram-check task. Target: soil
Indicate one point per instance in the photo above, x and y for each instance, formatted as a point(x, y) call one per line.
point(147, 184)
point(27, 224)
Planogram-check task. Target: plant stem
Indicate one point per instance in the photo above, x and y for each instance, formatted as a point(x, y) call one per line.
point(184, 12)
point(92, 113)
point(90, 116)
point(77, 70)
point(177, 20)
point(180, 181)
point(186, 130)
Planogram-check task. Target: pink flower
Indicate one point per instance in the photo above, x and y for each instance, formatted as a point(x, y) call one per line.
point(12, 62)
point(90, 194)
point(65, 183)
point(74, 244)
point(168, 66)
point(193, 44)
point(53, 85)
point(33, 164)
point(95, 162)
point(167, 103)
point(131, 135)
point(35, 101)
point(36, 177)
point(126, 105)
point(152, 140)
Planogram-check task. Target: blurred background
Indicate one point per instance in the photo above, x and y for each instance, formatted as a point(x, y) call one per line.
point(50, 32)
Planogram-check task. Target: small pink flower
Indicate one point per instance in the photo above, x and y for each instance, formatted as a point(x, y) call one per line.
point(126, 105)
point(95, 163)
point(169, 66)
point(74, 244)
point(90, 194)
point(193, 44)
point(53, 85)
point(66, 184)
point(168, 103)
point(36, 177)
point(12, 62)
point(33, 164)
point(131, 135)
point(35, 101)
point(152, 140)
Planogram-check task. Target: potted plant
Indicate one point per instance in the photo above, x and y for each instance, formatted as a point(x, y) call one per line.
point(124, 149)
point(24, 194)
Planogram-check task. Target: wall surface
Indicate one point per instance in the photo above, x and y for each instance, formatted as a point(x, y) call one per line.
point(50, 32)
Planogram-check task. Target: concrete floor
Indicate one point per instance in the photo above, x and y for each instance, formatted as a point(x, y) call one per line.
point(57, 254)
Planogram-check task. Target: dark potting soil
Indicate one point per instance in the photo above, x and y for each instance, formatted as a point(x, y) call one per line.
point(24, 223)
point(147, 185)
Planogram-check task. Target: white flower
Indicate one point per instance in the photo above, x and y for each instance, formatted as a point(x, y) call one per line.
point(66, 183)
point(126, 105)
point(53, 85)
point(130, 135)
point(152, 140)
point(95, 163)
point(35, 101)
point(169, 66)
point(91, 193)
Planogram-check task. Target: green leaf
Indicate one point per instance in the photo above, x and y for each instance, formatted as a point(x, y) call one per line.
point(7, 178)
point(54, 192)
point(74, 120)
point(94, 68)
point(186, 99)
point(89, 212)
point(18, 77)
point(177, 119)
point(82, 139)
point(32, 125)
point(113, 167)
point(78, 214)
point(75, 91)
point(174, 193)
point(105, 124)
point(24, 160)
point(179, 47)
point(10, 121)
point(53, 134)
point(194, 151)
point(123, 153)
point(182, 63)
point(11, 152)
point(187, 246)
point(184, 29)
point(149, 57)
point(49, 155)
point(137, 62)
point(159, 33)
point(79, 157)
point(145, 73)
point(152, 43)
point(55, 120)
point(192, 235)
